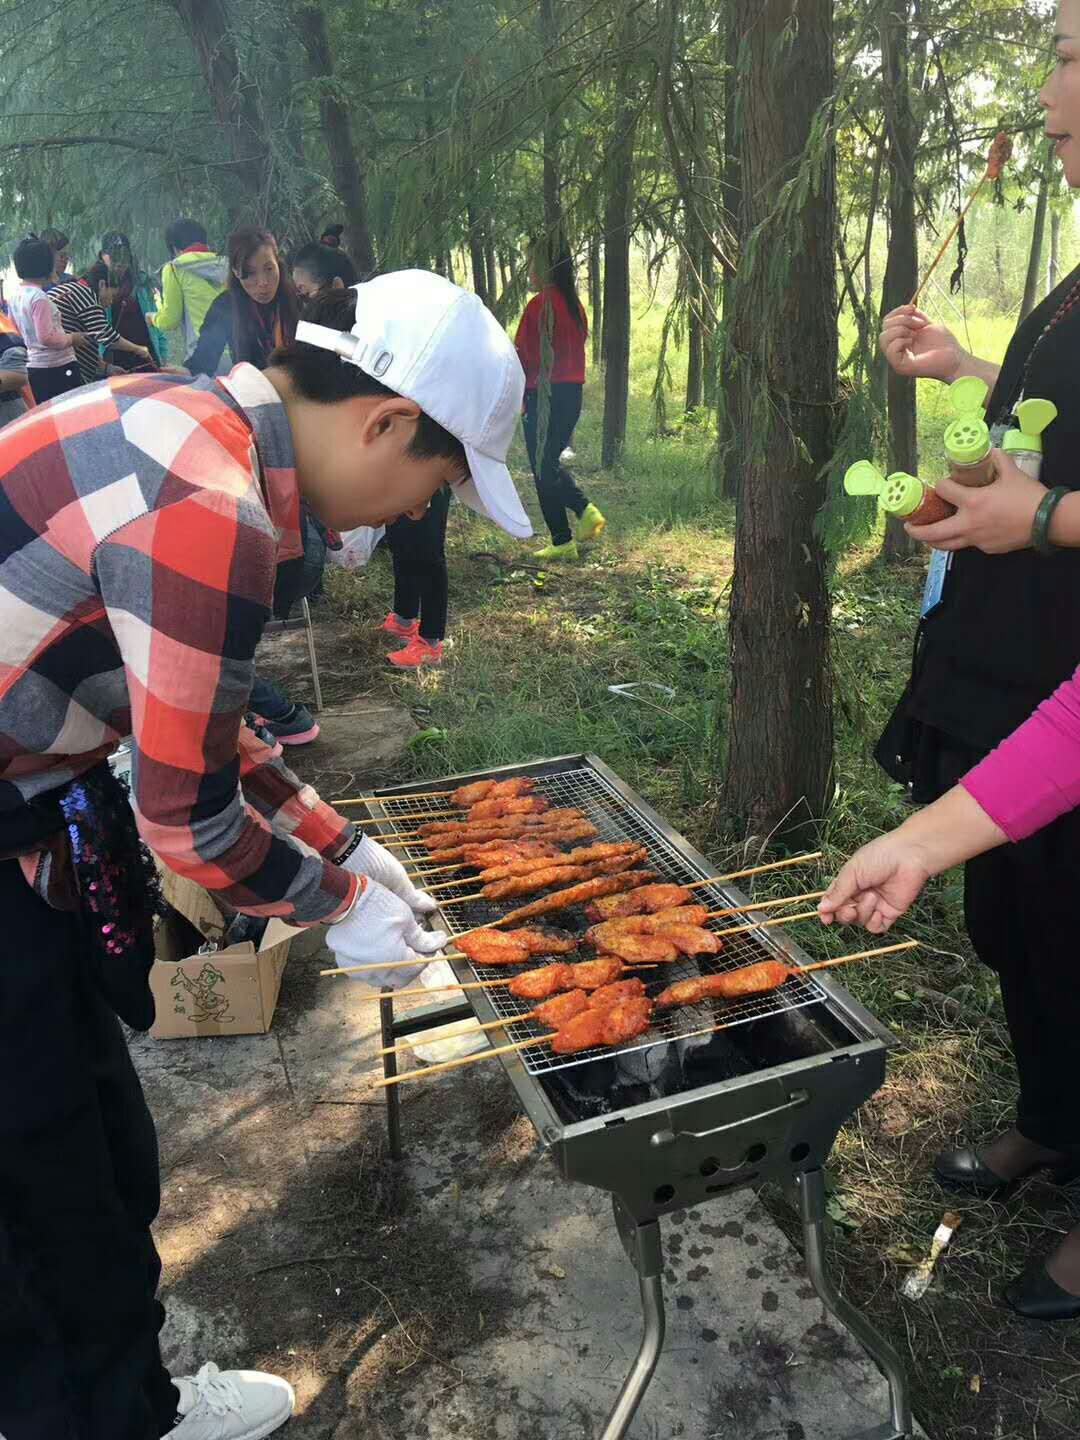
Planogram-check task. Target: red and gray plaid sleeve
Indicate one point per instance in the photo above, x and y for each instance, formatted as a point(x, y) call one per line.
point(187, 589)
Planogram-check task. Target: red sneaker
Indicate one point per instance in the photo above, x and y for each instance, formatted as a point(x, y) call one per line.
point(416, 653)
point(393, 626)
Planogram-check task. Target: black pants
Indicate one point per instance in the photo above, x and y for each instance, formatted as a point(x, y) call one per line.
point(555, 486)
point(79, 1187)
point(1019, 908)
point(421, 585)
point(49, 381)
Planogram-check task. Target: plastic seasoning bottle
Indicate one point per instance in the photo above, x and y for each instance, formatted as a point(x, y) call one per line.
point(1024, 444)
point(905, 496)
point(967, 440)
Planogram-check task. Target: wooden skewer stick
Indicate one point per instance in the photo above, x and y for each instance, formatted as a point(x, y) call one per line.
point(765, 924)
point(465, 985)
point(520, 1045)
point(393, 799)
point(390, 964)
point(999, 154)
point(735, 910)
point(765, 905)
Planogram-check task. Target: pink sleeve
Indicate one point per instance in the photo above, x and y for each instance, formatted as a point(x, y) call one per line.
point(47, 323)
point(1033, 776)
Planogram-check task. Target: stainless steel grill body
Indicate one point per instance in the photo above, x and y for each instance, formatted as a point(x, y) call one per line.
point(671, 1121)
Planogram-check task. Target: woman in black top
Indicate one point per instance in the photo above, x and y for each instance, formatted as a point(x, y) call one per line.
point(1001, 638)
point(255, 314)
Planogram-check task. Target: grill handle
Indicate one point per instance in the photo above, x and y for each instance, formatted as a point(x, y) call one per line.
point(661, 1139)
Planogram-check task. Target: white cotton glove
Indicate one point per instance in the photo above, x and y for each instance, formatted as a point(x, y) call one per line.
point(380, 927)
point(374, 860)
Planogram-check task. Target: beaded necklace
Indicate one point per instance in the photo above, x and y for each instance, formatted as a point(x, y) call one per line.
point(1072, 299)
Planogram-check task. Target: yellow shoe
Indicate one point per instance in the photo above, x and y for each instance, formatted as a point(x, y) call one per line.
point(567, 553)
point(591, 525)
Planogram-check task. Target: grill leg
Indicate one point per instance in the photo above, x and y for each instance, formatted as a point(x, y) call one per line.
point(393, 1101)
point(642, 1245)
point(812, 1205)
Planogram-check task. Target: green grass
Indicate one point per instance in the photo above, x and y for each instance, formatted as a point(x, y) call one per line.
point(528, 675)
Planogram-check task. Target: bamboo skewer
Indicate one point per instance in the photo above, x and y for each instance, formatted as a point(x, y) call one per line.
point(765, 905)
point(464, 985)
point(767, 924)
point(1000, 151)
point(520, 1045)
point(388, 799)
point(391, 964)
point(694, 885)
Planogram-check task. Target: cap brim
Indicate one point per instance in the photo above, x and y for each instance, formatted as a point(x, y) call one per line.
point(490, 492)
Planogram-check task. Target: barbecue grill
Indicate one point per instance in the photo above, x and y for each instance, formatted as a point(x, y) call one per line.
point(676, 1117)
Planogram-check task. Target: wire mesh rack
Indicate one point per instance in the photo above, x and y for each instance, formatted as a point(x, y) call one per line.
point(616, 819)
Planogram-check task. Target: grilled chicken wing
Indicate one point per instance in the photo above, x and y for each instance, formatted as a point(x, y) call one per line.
point(560, 1008)
point(690, 939)
point(521, 805)
point(584, 855)
point(508, 852)
point(492, 947)
point(544, 940)
point(615, 993)
point(642, 949)
point(543, 983)
point(734, 985)
point(678, 915)
point(506, 827)
point(591, 974)
point(563, 833)
point(615, 1025)
point(580, 894)
point(466, 795)
point(556, 874)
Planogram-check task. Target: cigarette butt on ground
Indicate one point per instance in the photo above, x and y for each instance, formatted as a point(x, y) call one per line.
point(918, 1282)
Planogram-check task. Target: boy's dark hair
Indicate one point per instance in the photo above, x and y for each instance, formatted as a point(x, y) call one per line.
point(324, 377)
point(182, 233)
point(33, 260)
point(326, 263)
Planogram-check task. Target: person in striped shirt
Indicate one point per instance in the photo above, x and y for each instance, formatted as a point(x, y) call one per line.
point(83, 312)
point(144, 523)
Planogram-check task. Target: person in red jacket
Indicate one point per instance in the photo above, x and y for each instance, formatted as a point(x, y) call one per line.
point(550, 343)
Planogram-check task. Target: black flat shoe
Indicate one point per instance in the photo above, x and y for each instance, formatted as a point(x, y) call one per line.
point(1037, 1296)
point(963, 1170)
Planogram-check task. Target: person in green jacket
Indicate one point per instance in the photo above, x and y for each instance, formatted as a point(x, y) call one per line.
point(190, 282)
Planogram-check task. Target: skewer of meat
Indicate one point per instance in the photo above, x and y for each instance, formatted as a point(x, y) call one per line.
point(552, 1014)
point(580, 855)
point(553, 874)
point(592, 1029)
point(757, 979)
point(466, 796)
point(537, 984)
point(565, 832)
point(625, 1016)
point(496, 852)
point(508, 826)
point(527, 811)
point(683, 926)
point(579, 895)
point(612, 907)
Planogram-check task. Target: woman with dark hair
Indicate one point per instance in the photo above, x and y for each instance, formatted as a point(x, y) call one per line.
point(127, 293)
point(256, 313)
point(550, 343)
point(190, 283)
point(331, 236)
point(321, 267)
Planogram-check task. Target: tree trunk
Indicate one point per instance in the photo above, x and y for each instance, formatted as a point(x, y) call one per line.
point(695, 340)
point(1055, 249)
point(236, 104)
point(902, 263)
point(549, 30)
point(596, 300)
point(504, 273)
point(489, 265)
point(728, 452)
point(617, 221)
point(346, 166)
point(708, 335)
point(1038, 230)
point(477, 254)
point(780, 753)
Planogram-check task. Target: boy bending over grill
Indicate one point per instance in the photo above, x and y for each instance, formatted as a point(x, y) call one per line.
point(143, 522)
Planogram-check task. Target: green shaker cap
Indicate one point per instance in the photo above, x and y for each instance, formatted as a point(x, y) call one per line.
point(901, 494)
point(863, 478)
point(1034, 416)
point(969, 395)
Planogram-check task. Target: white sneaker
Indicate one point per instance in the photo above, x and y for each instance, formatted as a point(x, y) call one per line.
point(231, 1404)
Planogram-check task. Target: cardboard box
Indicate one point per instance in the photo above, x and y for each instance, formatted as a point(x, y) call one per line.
point(230, 992)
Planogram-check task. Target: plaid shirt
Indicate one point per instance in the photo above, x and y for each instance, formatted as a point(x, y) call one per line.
point(141, 521)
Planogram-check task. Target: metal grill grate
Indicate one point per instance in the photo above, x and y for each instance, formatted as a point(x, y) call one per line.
point(616, 819)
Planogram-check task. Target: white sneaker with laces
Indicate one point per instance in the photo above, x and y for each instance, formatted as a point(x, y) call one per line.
point(231, 1404)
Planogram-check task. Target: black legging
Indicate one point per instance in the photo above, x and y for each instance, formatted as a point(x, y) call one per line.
point(421, 587)
point(555, 486)
point(49, 381)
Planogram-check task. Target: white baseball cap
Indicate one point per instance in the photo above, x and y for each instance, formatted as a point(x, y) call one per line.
point(427, 339)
